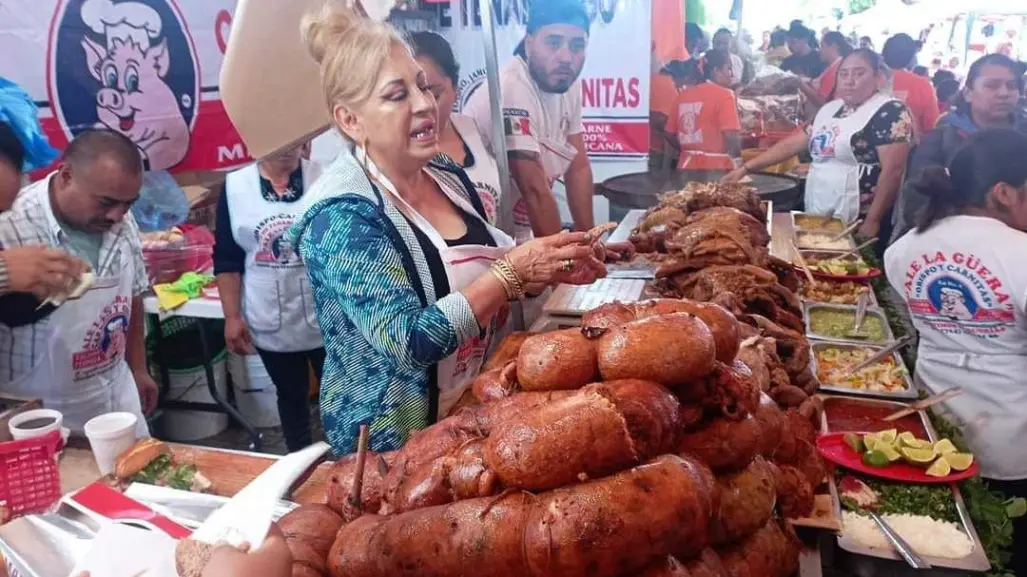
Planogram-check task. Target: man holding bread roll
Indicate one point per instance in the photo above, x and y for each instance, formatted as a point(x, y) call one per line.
point(87, 357)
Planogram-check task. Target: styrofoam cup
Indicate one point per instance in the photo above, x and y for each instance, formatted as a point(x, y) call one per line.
point(17, 422)
point(110, 435)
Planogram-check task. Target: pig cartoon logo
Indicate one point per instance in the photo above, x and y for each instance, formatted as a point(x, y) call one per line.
point(127, 66)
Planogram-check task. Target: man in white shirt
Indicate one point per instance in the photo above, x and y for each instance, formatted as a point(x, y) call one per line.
point(87, 356)
point(541, 102)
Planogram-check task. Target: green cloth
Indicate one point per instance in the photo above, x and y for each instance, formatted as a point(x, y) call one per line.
point(191, 284)
point(695, 11)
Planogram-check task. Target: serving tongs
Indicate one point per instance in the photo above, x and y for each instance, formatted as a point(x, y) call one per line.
point(863, 498)
point(855, 251)
point(925, 403)
point(849, 230)
point(861, 315)
point(802, 263)
point(881, 355)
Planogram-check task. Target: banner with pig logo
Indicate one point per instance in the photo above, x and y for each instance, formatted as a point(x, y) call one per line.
point(146, 68)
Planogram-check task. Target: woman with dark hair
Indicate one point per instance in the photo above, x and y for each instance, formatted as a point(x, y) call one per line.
point(805, 59)
point(833, 48)
point(859, 143)
point(704, 124)
point(961, 273)
point(989, 100)
point(459, 138)
point(778, 51)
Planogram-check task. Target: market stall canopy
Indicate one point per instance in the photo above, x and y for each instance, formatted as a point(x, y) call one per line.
point(270, 86)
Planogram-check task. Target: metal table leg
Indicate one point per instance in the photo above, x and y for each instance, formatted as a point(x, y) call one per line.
point(256, 439)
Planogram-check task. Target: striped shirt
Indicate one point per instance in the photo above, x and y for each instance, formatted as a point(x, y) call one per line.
point(31, 221)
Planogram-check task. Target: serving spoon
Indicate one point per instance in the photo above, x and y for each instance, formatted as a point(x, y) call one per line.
point(861, 315)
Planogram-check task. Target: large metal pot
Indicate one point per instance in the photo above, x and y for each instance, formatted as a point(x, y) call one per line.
point(643, 189)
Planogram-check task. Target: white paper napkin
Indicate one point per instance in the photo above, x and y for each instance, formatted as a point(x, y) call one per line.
point(124, 551)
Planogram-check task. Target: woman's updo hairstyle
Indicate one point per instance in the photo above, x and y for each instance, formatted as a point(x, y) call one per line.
point(351, 50)
point(988, 158)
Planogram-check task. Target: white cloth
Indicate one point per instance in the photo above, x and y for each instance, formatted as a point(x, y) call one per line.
point(277, 302)
point(832, 186)
point(484, 172)
point(966, 288)
point(464, 264)
point(737, 69)
point(534, 121)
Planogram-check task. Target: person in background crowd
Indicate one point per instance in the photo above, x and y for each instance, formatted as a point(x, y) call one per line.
point(663, 93)
point(972, 325)
point(724, 41)
point(778, 51)
point(859, 143)
point(38, 270)
point(541, 102)
point(942, 76)
point(805, 60)
point(409, 308)
point(947, 93)
point(704, 124)
point(459, 138)
point(866, 43)
point(989, 100)
point(696, 41)
point(833, 48)
point(87, 357)
point(267, 302)
point(916, 91)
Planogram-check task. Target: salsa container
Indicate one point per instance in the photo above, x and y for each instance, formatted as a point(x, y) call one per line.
point(812, 307)
point(977, 561)
point(798, 215)
point(909, 394)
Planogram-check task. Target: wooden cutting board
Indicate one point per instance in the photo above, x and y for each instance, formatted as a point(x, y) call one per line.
point(230, 471)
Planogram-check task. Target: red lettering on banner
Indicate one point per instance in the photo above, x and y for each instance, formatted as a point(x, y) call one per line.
point(615, 138)
point(610, 92)
point(222, 26)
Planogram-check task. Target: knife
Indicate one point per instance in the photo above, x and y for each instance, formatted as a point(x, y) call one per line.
point(246, 518)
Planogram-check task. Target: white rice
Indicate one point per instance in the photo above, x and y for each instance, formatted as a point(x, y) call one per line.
point(927, 536)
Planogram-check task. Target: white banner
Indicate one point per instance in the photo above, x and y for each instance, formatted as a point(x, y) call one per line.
point(614, 82)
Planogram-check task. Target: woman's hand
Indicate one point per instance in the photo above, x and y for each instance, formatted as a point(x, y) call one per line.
point(565, 257)
point(735, 175)
point(272, 559)
point(869, 229)
point(237, 336)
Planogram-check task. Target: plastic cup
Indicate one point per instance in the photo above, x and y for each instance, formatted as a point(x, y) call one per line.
point(19, 425)
point(110, 435)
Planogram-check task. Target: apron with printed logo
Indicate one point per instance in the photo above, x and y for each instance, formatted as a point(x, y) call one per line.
point(485, 172)
point(463, 264)
point(83, 372)
point(987, 410)
point(832, 187)
point(277, 302)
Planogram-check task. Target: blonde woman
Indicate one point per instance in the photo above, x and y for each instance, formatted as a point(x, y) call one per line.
point(407, 275)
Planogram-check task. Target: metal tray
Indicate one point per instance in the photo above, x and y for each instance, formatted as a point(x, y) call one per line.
point(977, 561)
point(909, 394)
point(809, 307)
point(808, 253)
point(872, 301)
point(797, 228)
point(850, 242)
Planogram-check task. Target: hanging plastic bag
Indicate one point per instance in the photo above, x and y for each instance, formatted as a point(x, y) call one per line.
point(21, 114)
point(162, 203)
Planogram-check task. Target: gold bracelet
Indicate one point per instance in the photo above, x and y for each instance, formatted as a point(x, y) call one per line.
point(502, 281)
point(516, 278)
point(512, 282)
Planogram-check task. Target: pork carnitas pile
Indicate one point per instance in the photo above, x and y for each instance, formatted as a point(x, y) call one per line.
point(712, 245)
point(638, 445)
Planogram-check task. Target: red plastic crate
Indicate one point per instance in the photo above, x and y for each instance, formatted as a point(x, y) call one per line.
point(30, 480)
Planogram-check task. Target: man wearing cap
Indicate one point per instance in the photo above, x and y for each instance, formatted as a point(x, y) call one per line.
point(541, 103)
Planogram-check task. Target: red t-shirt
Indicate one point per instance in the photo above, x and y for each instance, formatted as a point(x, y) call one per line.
point(919, 95)
point(700, 116)
point(662, 94)
point(827, 79)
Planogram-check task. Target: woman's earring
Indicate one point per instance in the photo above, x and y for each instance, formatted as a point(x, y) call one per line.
point(366, 153)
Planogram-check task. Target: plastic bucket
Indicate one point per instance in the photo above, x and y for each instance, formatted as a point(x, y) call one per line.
point(191, 385)
point(255, 393)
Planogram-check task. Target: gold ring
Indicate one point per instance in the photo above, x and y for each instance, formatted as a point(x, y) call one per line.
point(568, 265)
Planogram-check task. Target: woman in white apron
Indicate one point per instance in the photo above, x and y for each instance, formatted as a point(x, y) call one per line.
point(269, 309)
point(961, 273)
point(859, 144)
point(407, 274)
point(459, 137)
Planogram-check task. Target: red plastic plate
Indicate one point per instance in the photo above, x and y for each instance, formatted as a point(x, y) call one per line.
point(832, 447)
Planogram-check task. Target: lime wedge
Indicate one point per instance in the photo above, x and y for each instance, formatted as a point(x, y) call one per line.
point(920, 444)
point(870, 439)
point(888, 451)
point(944, 446)
point(940, 468)
point(906, 439)
point(854, 442)
point(959, 461)
point(919, 457)
point(889, 436)
point(875, 459)
point(1016, 508)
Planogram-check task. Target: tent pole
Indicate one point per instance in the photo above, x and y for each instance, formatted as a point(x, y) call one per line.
point(505, 212)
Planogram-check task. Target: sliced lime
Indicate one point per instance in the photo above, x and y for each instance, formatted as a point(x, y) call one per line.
point(888, 451)
point(854, 442)
point(906, 439)
point(919, 457)
point(945, 446)
point(959, 461)
point(889, 436)
point(940, 468)
point(876, 459)
point(1016, 508)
